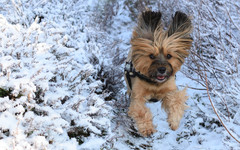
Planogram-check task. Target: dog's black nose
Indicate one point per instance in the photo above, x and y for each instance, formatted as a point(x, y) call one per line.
point(161, 70)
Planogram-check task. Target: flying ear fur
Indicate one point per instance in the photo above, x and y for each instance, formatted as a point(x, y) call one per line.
point(148, 21)
point(178, 35)
point(181, 23)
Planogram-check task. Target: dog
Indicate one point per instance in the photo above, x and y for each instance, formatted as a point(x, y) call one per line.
point(155, 57)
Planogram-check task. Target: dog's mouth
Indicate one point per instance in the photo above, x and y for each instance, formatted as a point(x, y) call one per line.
point(161, 78)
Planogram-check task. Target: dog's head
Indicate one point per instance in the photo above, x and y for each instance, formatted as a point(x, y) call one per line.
point(157, 53)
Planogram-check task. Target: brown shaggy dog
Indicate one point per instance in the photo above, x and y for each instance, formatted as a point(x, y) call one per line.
point(155, 57)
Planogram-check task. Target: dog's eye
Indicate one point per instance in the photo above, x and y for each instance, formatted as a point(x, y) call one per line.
point(169, 56)
point(151, 56)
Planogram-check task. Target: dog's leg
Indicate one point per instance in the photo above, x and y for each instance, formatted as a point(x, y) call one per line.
point(142, 115)
point(174, 105)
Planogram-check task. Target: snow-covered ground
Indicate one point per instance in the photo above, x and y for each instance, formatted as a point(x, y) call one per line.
point(61, 78)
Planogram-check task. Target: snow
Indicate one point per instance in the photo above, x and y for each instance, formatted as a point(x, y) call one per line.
point(61, 63)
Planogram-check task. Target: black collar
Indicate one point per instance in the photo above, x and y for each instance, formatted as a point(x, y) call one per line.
point(130, 72)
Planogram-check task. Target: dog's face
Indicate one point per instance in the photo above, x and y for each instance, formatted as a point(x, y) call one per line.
point(156, 53)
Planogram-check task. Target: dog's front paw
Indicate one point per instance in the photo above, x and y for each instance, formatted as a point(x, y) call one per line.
point(173, 124)
point(146, 129)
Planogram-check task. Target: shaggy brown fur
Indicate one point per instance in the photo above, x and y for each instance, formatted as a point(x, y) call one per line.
point(158, 55)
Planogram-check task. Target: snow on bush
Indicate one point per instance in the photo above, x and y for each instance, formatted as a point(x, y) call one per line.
point(61, 75)
point(48, 77)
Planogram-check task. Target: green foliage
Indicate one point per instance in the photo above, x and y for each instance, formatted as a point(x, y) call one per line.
point(4, 93)
point(79, 133)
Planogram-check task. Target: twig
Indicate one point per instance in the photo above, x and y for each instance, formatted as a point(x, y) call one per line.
point(216, 111)
point(203, 89)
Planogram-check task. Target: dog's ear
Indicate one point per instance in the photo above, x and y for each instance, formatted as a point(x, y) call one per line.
point(178, 35)
point(180, 25)
point(148, 21)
